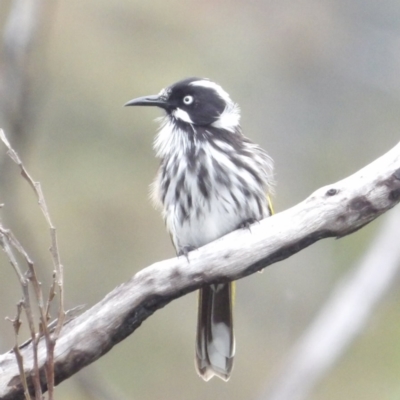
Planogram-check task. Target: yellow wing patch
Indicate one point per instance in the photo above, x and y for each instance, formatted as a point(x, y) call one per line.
point(270, 207)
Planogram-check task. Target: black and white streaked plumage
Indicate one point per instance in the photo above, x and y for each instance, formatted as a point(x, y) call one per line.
point(211, 181)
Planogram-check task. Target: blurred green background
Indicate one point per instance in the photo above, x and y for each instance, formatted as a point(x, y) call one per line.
point(318, 83)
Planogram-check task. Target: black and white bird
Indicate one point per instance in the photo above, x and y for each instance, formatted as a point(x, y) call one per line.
point(211, 181)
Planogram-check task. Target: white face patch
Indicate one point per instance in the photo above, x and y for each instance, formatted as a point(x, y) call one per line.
point(229, 119)
point(218, 89)
point(164, 93)
point(182, 115)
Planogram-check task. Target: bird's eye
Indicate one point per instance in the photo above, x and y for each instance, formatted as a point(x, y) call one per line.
point(188, 100)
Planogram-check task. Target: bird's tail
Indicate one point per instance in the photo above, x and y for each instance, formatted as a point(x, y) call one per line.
point(215, 342)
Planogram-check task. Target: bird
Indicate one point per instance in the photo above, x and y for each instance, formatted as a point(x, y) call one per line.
point(211, 181)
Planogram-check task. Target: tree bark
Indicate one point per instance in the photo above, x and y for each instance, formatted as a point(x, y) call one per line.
point(341, 319)
point(332, 211)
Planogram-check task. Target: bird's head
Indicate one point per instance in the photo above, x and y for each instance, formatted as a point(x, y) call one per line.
point(195, 101)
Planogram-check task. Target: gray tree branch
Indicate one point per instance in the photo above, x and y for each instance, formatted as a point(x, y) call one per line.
point(341, 319)
point(332, 211)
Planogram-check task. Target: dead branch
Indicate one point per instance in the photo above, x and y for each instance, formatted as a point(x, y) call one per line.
point(341, 319)
point(8, 242)
point(332, 211)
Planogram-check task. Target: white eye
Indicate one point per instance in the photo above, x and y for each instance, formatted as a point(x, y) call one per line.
point(188, 100)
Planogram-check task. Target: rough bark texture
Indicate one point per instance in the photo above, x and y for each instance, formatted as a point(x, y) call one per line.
point(341, 319)
point(332, 211)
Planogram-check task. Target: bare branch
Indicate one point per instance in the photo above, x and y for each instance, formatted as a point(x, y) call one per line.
point(20, 361)
point(341, 319)
point(332, 211)
point(8, 242)
point(6, 238)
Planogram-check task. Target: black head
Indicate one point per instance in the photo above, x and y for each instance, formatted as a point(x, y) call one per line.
point(195, 101)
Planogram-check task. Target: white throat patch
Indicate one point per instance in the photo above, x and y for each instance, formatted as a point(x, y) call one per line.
point(182, 115)
point(229, 119)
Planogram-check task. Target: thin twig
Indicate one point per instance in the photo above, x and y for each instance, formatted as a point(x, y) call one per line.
point(20, 361)
point(57, 282)
point(336, 210)
point(8, 241)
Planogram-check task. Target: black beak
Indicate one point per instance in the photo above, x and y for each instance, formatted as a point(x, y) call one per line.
point(155, 100)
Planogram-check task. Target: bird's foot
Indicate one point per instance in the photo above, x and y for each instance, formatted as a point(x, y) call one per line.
point(247, 223)
point(185, 250)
